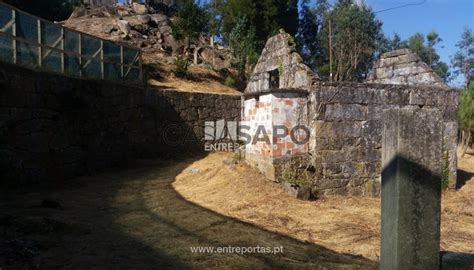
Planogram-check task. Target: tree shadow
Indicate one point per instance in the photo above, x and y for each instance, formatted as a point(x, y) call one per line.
point(135, 219)
point(463, 177)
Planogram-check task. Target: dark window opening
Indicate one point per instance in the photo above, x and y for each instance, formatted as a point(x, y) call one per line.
point(274, 79)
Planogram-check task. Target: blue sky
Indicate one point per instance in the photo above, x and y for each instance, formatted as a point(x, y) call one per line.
point(447, 17)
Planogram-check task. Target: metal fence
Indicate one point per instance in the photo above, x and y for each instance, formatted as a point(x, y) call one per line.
point(35, 43)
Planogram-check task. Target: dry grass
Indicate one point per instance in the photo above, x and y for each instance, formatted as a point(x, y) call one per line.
point(149, 217)
point(344, 224)
point(201, 79)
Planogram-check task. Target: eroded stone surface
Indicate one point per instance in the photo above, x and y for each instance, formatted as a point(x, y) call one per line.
point(280, 56)
point(403, 67)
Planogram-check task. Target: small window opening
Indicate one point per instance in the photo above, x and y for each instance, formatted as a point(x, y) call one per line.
point(274, 79)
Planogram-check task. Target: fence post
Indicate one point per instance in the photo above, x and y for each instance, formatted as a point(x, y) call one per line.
point(62, 50)
point(102, 64)
point(40, 51)
point(80, 55)
point(411, 188)
point(141, 67)
point(121, 62)
point(14, 45)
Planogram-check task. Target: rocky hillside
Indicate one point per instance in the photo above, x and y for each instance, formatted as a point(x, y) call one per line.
point(143, 27)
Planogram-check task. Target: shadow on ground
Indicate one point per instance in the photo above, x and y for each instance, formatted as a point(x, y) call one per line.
point(134, 219)
point(463, 177)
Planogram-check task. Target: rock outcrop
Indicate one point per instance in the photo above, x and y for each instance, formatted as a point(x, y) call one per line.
point(403, 67)
point(140, 26)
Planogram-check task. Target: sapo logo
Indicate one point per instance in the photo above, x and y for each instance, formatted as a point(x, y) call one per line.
point(228, 136)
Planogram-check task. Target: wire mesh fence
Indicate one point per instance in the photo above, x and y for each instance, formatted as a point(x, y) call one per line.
point(39, 44)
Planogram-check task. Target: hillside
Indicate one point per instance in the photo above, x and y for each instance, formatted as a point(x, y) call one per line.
point(140, 27)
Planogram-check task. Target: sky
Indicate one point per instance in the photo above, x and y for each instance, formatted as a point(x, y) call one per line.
point(447, 17)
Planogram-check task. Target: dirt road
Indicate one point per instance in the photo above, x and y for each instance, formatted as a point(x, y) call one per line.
point(135, 219)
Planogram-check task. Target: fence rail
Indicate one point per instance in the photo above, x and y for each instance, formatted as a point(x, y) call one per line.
point(35, 43)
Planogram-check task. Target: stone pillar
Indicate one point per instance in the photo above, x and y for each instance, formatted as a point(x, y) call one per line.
point(411, 188)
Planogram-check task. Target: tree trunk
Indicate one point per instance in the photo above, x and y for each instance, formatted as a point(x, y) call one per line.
point(212, 41)
point(467, 135)
point(196, 54)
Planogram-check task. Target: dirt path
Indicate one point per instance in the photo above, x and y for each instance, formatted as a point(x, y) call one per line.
point(344, 224)
point(136, 220)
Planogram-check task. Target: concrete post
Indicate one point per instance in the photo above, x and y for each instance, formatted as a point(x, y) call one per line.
point(411, 188)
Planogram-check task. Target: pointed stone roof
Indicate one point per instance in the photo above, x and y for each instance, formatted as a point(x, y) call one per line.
point(280, 56)
point(403, 67)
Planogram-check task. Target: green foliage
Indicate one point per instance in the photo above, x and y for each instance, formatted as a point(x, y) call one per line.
point(309, 34)
point(425, 48)
point(266, 17)
point(355, 35)
point(466, 109)
point(191, 20)
point(181, 66)
point(445, 172)
point(280, 70)
point(213, 9)
point(230, 81)
point(463, 60)
point(291, 41)
point(53, 10)
point(243, 45)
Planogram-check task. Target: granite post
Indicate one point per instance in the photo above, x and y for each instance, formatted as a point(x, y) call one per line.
point(411, 188)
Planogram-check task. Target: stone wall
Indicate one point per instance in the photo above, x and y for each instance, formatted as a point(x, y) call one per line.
point(346, 123)
point(280, 56)
point(403, 67)
point(54, 127)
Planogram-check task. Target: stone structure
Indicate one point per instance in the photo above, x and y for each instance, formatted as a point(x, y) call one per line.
point(53, 127)
point(276, 96)
point(346, 122)
point(411, 193)
point(343, 155)
point(403, 67)
point(281, 66)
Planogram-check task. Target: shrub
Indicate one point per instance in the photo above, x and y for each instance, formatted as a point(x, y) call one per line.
point(181, 67)
point(229, 81)
point(445, 172)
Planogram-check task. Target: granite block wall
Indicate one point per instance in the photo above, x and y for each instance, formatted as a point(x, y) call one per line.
point(54, 127)
point(346, 123)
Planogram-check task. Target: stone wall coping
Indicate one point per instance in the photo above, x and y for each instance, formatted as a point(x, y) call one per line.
point(382, 86)
point(301, 92)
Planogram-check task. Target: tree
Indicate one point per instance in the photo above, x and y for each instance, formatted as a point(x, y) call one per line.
point(463, 60)
point(267, 17)
point(190, 22)
point(466, 116)
point(53, 10)
point(396, 43)
point(311, 22)
point(425, 48)
point(243, 45)
point(355, 34)
point(213, 8)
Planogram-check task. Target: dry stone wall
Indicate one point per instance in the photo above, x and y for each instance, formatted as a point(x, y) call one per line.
point(53, 127)
point(280, 56)
point(346, 123)
point(403, 67)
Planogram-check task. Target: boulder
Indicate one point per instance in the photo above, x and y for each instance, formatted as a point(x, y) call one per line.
point(213, 58)
point(139, 8)
point(124, 27)
point(159, 19)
